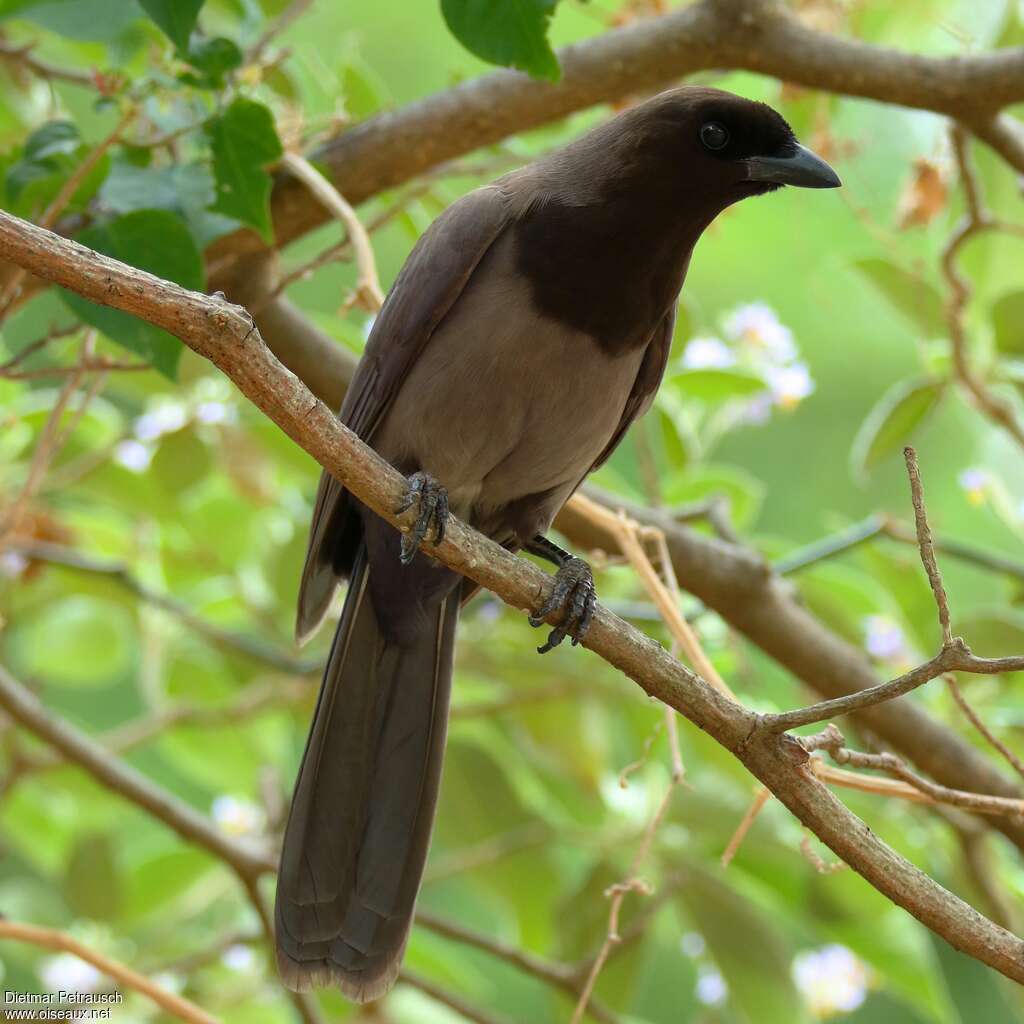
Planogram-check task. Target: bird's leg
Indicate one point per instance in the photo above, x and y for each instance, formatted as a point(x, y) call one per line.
point(573, 592)
point(431, 500)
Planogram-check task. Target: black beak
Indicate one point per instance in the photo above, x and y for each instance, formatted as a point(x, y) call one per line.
point(802, 168)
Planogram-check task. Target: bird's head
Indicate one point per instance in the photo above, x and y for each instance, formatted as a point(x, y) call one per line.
point(715, 145)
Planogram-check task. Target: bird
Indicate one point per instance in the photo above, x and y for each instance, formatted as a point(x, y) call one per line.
point(529, 327)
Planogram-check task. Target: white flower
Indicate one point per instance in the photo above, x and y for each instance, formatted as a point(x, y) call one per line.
point(974, 481)
point(239, 958)
point(707, 353)
point(237, 817)
point(884, 638)
point(711, 987)
point(789, 385)
point(832, 979)
point(66, 973)
point(12, 564)
point(215, 412)
point(692, 944)
point(757, 324)
point(164, 418)
point(133, 455)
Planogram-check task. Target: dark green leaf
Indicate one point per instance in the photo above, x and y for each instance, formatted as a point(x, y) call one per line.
point(244, 141)
point(100, 20)
point(52, 138)
point(1008, 322)
point(912, 296)
point(891, 423)
point(152, 240)
point(509, 32)
point(177, 18)
point(214, 58)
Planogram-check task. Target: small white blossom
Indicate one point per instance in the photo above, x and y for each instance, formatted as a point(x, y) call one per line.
point(832, 980)
point(133, 455)
point(215, 412)
point(692, 944)
point(12, 564)
point(708, 353)
point(711, 987)
point(789, 385)
point(239, 958)
point(884, 638)
point(757, 325)
point(164, 418)
point(974, 481)
point(237, 817)
point(66, 973)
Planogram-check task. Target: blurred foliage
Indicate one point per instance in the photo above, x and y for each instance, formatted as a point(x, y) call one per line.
point(811, 346)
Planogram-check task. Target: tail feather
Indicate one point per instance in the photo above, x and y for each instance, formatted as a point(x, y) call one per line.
point(359, 828)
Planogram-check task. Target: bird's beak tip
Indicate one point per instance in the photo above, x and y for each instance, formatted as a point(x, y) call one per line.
point(802, 169)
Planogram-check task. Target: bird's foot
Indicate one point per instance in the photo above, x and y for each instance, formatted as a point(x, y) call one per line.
point(431, 500)
point(575, 594)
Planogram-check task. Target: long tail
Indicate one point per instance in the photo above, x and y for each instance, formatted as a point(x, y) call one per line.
point(360, 822)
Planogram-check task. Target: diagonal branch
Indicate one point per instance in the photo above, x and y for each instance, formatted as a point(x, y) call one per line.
point(226, 335)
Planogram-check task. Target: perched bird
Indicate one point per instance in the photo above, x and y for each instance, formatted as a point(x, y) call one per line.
point(529, 327)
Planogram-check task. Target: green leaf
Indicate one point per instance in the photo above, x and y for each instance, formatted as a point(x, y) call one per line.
point(244, 141)
point(913, 297)
point(153, 240)
point(50, 155)
point(892, 421)
point(177, 18)
point(717, 385)
point(1008, 322)
point(77, 641)
point(756, 969)
point(213, 58)
point(509, 32)
point(92, 882)
point(181, 461)
point(973, 988)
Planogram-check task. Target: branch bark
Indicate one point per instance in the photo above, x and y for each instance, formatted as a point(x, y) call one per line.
point(226, 335)
point(394, 147)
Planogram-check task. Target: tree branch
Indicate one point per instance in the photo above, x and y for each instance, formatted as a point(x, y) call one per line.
point(394, 147)
point(49, 938)
point(225, 335)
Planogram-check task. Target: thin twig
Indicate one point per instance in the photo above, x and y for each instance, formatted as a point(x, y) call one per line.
point(293, 11)
point(978, 802)
point(453, 1001)
point(49, 938)
point(924, 543)
point(838, 544)
point(762, 797)
point(241, 643)
point(975, 221)
point(367, 292)
point(63, 197)
point(24, 707)
point(21, 56)
point(1008, 755)
point(46, 449)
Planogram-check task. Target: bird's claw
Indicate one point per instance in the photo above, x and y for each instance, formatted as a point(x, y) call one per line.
point(575, 594)
point(431, 500)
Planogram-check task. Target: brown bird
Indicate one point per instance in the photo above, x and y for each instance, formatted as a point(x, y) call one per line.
point(528, 329)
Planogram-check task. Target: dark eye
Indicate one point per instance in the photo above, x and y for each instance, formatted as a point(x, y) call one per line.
point(714, 136)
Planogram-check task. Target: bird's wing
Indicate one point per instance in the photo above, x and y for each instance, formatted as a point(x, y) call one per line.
point(430, 282)
point(652, 369)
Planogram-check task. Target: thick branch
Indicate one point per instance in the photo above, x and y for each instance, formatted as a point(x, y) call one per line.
point(76, 746)
point(396, 146)
point(225, 335)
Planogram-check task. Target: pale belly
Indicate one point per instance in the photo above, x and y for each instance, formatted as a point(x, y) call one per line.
point(503, 403)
